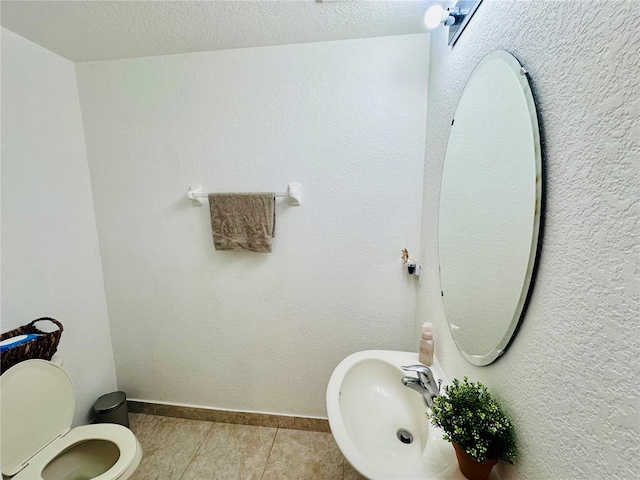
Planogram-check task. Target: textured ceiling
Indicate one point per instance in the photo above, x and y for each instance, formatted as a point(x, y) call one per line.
point(104, 30)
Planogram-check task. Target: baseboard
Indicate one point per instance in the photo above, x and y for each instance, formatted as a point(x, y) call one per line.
point(229, 416)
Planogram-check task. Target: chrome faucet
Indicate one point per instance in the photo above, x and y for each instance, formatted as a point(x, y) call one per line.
point(424, 384)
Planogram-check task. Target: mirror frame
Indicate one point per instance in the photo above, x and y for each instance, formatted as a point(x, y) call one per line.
point(538, 226)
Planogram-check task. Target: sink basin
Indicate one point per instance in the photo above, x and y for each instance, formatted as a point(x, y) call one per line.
point(370, 412)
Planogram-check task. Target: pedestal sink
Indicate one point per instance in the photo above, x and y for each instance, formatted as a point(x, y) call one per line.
point(380, 425)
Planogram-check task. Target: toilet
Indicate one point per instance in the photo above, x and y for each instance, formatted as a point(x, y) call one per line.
point(38, 441)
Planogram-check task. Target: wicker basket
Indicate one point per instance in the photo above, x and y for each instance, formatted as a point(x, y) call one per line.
point(42, 347)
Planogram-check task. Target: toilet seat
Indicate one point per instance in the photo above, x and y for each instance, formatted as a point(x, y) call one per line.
point(37, 403)
point(122, 437)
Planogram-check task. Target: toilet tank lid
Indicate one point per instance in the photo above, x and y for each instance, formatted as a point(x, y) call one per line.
point(36, 404)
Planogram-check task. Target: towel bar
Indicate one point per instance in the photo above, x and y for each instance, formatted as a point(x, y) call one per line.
point(294, 192)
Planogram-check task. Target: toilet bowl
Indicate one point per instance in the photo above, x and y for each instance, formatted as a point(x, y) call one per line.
point(38, 441)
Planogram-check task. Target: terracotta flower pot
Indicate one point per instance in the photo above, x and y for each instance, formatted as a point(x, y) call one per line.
point(470, 467)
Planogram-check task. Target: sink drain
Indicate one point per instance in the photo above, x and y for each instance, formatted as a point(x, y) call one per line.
point(404, 436)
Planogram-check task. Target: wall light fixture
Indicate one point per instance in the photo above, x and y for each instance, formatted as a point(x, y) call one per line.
point(456, 18)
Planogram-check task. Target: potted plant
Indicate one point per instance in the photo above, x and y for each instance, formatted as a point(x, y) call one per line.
point(478, 427)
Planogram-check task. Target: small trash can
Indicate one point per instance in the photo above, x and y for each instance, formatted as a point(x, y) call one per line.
point(112, 408)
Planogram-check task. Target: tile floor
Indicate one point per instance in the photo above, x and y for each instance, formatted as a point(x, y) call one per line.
point(179, 449)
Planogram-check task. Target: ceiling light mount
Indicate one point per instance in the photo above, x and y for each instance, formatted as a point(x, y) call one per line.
point(456, 18)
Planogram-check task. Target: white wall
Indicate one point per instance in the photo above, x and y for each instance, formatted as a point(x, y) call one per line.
point(50, 255)
point(571, 377)
point(239, 330)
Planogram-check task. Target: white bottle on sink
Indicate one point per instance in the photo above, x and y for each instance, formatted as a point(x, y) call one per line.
point(426, 344)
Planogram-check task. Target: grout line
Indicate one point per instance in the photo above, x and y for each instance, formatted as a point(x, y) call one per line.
point(197, 450)
point(269, 456)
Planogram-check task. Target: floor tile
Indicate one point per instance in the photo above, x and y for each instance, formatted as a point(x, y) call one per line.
point(138, 421)
point(168, 445)
point(300, 455)
point(232, 452)
point(351, 473)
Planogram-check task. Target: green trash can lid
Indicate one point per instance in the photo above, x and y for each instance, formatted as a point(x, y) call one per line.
point(109, 402)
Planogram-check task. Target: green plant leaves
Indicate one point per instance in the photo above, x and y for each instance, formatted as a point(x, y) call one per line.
point(470, 417)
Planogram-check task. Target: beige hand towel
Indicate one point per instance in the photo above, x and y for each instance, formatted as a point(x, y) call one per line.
point(243, 221)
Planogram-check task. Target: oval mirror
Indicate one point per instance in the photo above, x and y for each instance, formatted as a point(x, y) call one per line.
point(490, 208)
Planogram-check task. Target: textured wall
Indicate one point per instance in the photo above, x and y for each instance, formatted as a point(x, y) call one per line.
point(50, 256)
point(571, 377)
point(239, 330)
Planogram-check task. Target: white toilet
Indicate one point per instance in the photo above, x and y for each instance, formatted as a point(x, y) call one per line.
point(37, 439)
